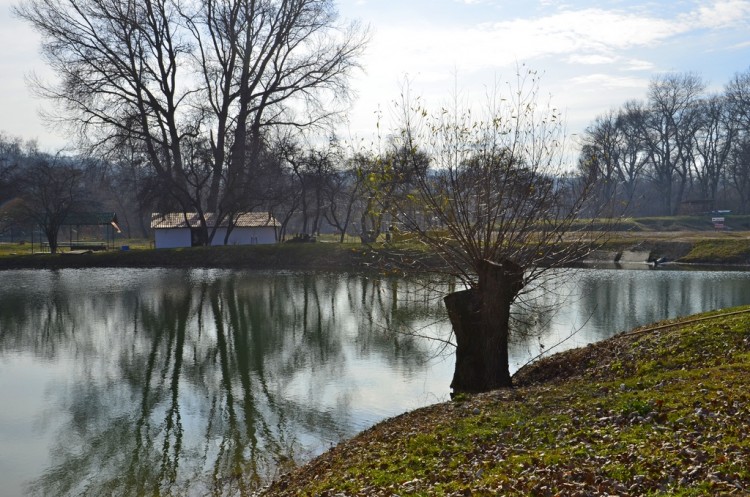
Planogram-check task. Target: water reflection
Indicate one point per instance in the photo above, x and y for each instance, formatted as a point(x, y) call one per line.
point(595, 304)
point(206, 382)
point(134, 382)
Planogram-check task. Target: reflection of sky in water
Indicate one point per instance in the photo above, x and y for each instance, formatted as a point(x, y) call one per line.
point(24, 385)
point(173, 376)
point(596, 304)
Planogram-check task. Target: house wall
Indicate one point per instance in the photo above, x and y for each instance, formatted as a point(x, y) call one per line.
point(246, 236)
point(172, 238)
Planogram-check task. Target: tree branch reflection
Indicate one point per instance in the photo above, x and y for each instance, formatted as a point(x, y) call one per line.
point(206, 382)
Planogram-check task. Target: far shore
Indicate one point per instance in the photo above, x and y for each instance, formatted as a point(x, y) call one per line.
point(633, 250)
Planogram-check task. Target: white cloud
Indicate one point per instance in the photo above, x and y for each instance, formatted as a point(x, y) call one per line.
point(586, 36)
point(720, 14)
point(593, 32)
point(638, 65)
point(589, 29)
point(591, 59)
point(601, 80)
point(568, 40)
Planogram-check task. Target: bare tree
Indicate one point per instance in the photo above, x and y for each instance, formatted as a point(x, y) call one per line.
point(195, 83)
point(342, 192)
point(10, 159)
point(311, 168)
point(667, 131)
point(739, 172)
point(601, 151)
point(713, 143)
point(633, 155)
point(613, 152)
point(498, 186)
point(737, 95)
point(52, 188)
point(680, 142)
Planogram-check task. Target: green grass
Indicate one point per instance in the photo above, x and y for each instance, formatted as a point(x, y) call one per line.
point(13, 249)
point(673, 419)
point(25, 248)
point(736, 251)
point(689, 223)
point(667, 223)
point(689, 239)
point(293, 256)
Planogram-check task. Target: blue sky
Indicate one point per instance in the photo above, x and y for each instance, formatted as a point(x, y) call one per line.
point(593, 56)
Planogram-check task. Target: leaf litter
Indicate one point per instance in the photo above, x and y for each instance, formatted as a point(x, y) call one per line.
point(658, 413)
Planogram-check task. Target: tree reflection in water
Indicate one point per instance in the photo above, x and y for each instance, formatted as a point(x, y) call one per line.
point(207, 382)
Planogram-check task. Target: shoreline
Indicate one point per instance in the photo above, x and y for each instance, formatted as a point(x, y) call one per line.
point(703, 253)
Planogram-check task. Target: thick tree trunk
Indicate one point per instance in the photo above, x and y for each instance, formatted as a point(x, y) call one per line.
point(480, 318)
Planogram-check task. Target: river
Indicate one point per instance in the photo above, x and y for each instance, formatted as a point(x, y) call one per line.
point(197, 382)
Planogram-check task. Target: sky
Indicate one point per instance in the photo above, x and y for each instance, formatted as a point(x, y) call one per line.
point(592, 56)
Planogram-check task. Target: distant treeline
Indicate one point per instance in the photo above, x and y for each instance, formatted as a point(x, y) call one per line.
point(681, 151)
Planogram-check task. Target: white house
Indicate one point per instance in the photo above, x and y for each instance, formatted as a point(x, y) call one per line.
point(180, 229)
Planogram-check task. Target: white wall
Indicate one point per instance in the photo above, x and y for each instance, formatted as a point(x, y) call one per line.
point(180, 237)
point(246, 236)
point(172, 238)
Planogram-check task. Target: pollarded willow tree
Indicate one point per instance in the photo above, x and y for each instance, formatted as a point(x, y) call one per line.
point(508, 209)
point(192, 85)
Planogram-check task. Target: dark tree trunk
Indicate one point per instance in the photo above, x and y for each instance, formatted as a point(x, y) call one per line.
point(51, 234)
point(480, 317)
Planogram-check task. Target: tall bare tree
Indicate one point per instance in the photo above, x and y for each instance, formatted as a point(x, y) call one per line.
point(737, 94)
point(10, 164)
point(613, 152)
point(195, 83)
point(667, 133)
point(601, 150)
point(714, 137)
point(739, 172)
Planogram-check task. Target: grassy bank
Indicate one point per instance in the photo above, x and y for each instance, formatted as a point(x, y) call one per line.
point(660, 412)
point(353, 256)
point(260, 256)
point(688, 239)
point(687, 248)
point(288, 256)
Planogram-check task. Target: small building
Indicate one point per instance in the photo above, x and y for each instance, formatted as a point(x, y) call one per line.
point(178, 229)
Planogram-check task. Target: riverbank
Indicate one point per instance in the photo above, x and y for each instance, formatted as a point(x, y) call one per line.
point(722, 248)
point(288, 256)
point(660, 410)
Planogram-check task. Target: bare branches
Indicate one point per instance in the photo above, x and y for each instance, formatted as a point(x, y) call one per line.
point(168, 74)
point(497, 188)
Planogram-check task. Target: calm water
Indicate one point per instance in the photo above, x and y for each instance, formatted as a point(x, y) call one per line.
point(124, 382)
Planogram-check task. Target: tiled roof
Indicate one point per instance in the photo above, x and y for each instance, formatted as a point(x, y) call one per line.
point(190, 219)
